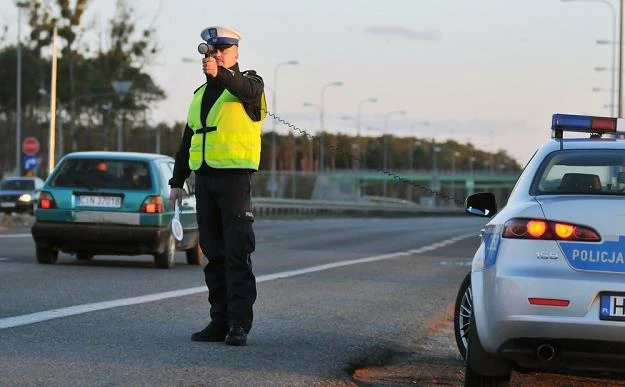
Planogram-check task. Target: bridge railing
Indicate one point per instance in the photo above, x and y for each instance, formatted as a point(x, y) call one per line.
point(268, 207)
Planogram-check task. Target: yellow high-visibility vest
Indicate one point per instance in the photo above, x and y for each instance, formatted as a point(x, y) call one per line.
point(229, 138)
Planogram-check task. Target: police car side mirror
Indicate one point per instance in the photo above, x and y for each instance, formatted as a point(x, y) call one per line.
point(481, 204)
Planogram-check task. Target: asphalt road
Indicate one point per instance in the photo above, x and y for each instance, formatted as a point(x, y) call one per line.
point(341, 302)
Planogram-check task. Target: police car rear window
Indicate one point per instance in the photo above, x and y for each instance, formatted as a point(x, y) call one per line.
point(98, 173)
point(585, 172)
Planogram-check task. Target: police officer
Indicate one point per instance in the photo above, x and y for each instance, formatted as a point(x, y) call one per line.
point(221, 144)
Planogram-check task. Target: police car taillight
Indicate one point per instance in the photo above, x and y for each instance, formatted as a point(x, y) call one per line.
point(152, 205)
point(522, 228)
point(586, 124)
point(46, 200)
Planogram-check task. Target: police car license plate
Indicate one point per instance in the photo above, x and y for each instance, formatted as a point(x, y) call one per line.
point(612, 307)
point(98, 201)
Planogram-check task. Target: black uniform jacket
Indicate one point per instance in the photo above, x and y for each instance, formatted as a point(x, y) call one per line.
point(247, 86)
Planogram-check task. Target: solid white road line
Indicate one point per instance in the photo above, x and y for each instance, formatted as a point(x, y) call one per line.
point(7, 236)
point(26, 319)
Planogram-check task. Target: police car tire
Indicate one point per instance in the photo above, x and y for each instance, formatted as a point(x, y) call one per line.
point(166, 259)
point(194, 255)
point(459, 306)
point(47, 255)
point(481, 368)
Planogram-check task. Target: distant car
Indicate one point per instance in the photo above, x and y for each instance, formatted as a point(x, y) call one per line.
point(113, 203)
point(547, 288)
point(19, 194)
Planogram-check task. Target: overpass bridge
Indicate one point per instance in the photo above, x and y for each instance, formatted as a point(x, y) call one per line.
point(476, 179)
point(431, 188)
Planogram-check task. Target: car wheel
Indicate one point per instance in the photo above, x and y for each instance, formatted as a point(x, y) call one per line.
point(481, 368)
point(84, 256)
point(462, 315)
point(194, 255)
point(47, 255)
point(166, 259)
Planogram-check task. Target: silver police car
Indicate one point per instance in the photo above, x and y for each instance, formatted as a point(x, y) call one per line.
point(547, 284)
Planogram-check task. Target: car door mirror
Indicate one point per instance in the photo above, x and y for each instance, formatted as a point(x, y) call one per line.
point(481, 204)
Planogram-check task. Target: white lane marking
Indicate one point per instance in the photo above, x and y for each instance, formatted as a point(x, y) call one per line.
point(26, 319)
point(459, 262)
point(4, 259)
point(2, 236)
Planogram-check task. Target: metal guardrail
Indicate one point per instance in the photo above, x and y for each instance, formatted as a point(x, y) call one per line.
point(264, 206)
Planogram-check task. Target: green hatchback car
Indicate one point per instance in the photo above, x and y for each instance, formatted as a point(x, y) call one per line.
point(113, 203)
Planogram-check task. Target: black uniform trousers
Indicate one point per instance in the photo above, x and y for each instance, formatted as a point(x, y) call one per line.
point(224, 216)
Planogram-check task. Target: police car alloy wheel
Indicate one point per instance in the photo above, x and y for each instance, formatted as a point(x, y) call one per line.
point(462, 315)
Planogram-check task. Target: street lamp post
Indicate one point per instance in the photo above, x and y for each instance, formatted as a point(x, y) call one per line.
point(308, 104)
point(355, 158)
point(364, 151)
point(106, 108)
point(18, 105)
point(413, 141)
point(121, 89)
point(453, 175)
point(358, 125)
point(412, 144)
point(435, 150)
point(274, 183)
point(323, 126)
point(398, 112)
point(620, 60)
point(613, 49)
point(435, 184)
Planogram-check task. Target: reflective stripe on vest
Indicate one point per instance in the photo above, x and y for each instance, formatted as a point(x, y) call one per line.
point(229, 138)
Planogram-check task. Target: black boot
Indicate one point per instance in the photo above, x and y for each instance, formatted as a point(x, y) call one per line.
point(213, 332)
point(236, 336)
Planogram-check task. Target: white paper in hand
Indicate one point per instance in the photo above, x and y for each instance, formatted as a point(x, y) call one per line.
point(176, 226)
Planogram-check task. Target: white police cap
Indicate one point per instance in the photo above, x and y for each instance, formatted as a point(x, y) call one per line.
point(220, 36)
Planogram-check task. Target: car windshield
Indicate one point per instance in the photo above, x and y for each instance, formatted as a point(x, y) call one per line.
point(588, 172)
point(17, 185)
point(100, 173)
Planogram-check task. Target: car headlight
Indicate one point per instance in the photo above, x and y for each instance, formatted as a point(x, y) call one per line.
point(25, 198)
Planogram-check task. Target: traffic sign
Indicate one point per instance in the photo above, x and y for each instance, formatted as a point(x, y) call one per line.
point(30, 145)
point(31, 162)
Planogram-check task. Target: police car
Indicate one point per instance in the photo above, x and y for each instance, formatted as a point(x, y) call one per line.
point(547, 284)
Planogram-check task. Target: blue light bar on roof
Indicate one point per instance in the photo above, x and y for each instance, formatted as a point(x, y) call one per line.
point(585, 124)
point(571, 122)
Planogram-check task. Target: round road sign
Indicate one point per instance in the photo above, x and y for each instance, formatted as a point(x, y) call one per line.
point(30, 145)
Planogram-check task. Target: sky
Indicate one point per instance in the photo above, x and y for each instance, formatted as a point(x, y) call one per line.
point(489, 72)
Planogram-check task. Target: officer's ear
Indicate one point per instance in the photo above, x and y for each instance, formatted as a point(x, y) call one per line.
point(236, 53)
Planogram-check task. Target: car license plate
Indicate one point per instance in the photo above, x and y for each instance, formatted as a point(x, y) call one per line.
point(7, 205)
point(612, 307)
point(98, 201)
